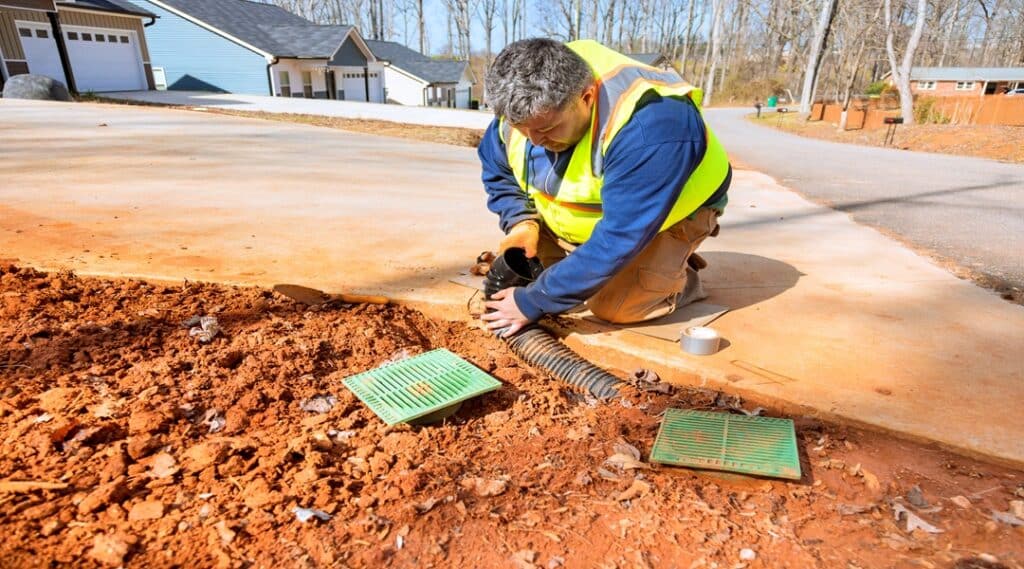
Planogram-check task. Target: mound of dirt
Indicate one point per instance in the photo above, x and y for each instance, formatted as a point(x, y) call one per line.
point(128, 440)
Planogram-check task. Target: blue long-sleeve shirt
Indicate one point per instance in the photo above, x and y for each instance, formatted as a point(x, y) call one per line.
point(645, 169)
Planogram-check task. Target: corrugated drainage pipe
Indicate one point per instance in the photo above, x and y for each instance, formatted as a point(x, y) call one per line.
point(534, 344)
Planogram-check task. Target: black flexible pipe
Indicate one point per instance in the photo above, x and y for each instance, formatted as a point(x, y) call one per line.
point(535, 345)
point(542, 350)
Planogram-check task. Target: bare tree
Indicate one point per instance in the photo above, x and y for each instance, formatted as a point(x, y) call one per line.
point(486, 10)
point(901, 71)
point(821, 31)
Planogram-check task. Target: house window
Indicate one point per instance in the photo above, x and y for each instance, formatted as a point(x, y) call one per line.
point(965, 85)
point(926, 85)
point(42, 34)
point(101, 37)
point(86, 37)
point(307, 84)
point(286, 86)
point(25, 32)
point(112, 39)
point(72, 35)
point(124, 39)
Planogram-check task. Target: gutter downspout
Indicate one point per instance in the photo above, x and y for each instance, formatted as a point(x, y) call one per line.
point(366, 82)
point(270, 77)
point(151, 22)
point(62, 50)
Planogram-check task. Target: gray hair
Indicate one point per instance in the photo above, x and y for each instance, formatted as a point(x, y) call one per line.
point(533, 76)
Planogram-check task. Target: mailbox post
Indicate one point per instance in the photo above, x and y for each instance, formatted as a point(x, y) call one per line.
point(890, 134)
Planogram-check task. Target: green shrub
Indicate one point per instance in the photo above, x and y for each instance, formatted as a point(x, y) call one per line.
point(877, 88)
point(926, 113)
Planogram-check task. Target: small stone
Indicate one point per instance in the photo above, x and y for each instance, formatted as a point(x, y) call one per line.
point(226, 534)
point(524, 558)
point(747, 554)
point(51, 527)
point(57, 399)
point(916, 497)
point(161, 465)
point(961, 501)
point(203, 455)
point(148, 510)
point(497, 420)
point(109, 550)
point(102, 496)
point(1017, 508)
point(483, 487)
point(146, 422)
point(140, 446)
point(258, 494)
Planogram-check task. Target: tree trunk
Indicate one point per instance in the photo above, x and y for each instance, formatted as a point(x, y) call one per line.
point(421, 25)
point(821, 30)
point(686, 38)
point(713, 51)
point(901, 72)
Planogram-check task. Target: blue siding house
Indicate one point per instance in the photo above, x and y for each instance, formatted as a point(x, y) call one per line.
point(252, 48)
point(197, 56)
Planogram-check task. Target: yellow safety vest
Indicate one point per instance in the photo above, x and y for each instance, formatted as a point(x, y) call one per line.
point(622, 81)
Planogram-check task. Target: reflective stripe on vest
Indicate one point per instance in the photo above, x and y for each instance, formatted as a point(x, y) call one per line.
point(622, 82)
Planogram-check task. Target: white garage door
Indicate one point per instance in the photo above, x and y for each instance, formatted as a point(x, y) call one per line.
point(40, 50)
point(353, 84)
point(104, 60)
point(376, 86)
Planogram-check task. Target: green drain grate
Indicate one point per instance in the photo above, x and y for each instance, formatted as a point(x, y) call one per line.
point(719, 441)
point(409, 389)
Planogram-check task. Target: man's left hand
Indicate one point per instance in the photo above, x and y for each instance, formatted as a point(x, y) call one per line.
point(506, 318)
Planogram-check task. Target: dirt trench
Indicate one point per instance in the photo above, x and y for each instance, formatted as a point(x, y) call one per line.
point(163, 451)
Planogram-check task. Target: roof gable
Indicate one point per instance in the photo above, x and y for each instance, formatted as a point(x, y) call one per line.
point(416, 64)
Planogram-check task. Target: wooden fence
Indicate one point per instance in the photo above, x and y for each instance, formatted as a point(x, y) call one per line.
point(867, 115)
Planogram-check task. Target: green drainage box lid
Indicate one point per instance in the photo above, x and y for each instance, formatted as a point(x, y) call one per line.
point(720, 441)
point(405, 390)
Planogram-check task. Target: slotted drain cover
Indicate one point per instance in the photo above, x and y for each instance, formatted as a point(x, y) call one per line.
point(418, 386)
point(719, 441)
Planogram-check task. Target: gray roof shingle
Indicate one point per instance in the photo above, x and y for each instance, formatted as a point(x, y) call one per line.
point(309, 40)
point(265, 26)
point(967, 74)
point(414, 62)
point(114, 6)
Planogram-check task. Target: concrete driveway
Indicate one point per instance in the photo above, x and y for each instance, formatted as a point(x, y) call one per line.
point(962, 210)
point(430, 116)
point(828, 317)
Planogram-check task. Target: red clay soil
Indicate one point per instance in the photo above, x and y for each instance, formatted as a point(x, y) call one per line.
point(1004, 143)
point(167, 452)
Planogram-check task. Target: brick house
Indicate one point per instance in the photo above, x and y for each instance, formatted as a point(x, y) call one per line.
point(964, 81)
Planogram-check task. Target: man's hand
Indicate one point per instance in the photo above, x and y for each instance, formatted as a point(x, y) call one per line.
point(525, 235)
point(506, 319)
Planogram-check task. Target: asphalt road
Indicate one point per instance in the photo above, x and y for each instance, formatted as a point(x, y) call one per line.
point(967, 212)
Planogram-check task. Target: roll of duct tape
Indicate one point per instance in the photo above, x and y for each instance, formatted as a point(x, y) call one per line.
point(699, 340)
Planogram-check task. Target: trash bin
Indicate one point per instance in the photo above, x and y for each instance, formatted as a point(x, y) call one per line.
point(772, 102)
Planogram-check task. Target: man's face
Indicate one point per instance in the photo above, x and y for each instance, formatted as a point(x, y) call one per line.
point(561, 129)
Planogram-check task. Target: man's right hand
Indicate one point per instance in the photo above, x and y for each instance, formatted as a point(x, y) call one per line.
point(525, 235)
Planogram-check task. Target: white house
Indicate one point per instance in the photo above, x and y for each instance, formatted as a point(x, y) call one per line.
point(412, 78)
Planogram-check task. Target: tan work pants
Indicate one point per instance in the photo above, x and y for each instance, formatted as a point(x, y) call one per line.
point(654, 283)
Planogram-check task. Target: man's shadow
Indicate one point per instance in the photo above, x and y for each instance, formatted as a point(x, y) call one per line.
point(738, 280)
point(731, 280)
